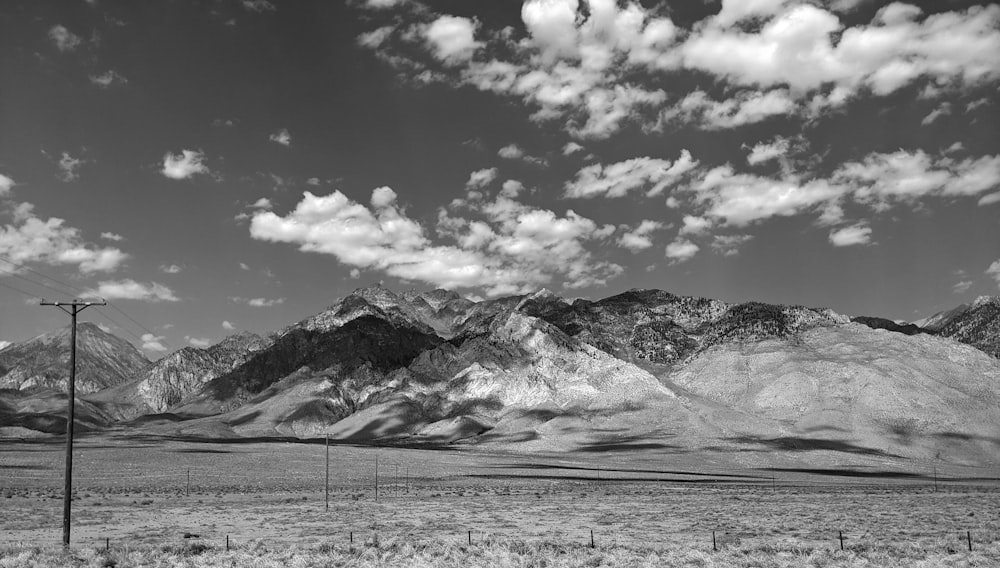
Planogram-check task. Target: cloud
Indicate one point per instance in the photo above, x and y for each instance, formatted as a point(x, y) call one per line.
point(571, 148)
point(228, 326)
point(68, 166)
point(183, 165)
point(383, 4)
point(765, 152)
point(112, 237)
point(355, 274)
point(5, 344)
point(729, 245)
point(638, 239)
point(108, 79)
point(64, 39)
point(505, 247)
point(152, 342)
point(262, 203)
point(281, 137)
point(128, 289)
point(515, 152)
point(906, 175)
point(257, 302)
point(962, 286)
point(452, 38)
point(31, 239)
point(681, 250)
point(6, 184)
point(859, 234)
point(199, 342)
point(244, 266)
point(943, 109)
point(745, 107)
point(695, 225)
point(993, 271)
point(258, 6)
point(481, 178)
point(170, 269)
point(616, 180)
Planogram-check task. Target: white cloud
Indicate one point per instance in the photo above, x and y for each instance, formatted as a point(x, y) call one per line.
point(258, 6)
point(152, 342)
point(183, 165)
point(6, 184)
point(859, 234)
point(990, 199)
point(993, 270)
point(64, 39)
point(170, 269)
point(68, 166)
point(729, 245)
point(313, 181)
point(962, 286)
point(199, 342)
point(108, 78)
point(5, 344)
point(765, 152)
point(681, 250)
point(943, 109)
point(228, 326)
point(695, 225)
point(112, 237)
point(571, 148)
point(511, 152)
point(128, 289)
point(262, 203)
point(512, 248)
point(616, 180)
point(30, 239)
point(244, 266)
point(355, 274)
point(282, 137)
point(383, 4)
point(258, 302)
point(745, 107)
point(638, 239)
point(481, 178)
point(904, 175)
point(452, 38)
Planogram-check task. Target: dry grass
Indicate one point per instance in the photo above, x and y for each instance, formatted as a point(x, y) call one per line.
point(499, 552)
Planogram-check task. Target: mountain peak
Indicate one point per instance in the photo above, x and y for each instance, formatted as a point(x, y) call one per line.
point(984, 300)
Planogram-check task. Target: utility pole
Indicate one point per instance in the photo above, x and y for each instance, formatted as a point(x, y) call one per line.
point(72, 308)
point(327, 485)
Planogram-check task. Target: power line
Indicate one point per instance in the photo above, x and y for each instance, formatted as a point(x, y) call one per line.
point(45, 276)
point(142, 327)
point(14, 288)
point(35, 282)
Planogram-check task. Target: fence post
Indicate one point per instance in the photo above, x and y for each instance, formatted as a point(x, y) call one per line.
point(227, 543)
point(968, 537)
point(470, 538)
point(841, 539)
point(591, 538)
point(107, 543)
point(714, 547)
point(189, 483)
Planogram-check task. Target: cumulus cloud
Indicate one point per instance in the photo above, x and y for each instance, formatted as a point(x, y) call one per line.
point(638, 238)
point(258, 6)
point(481, 178)
point(226, 325)
point(64, 39)
point(258, 302)
point(943, 109)
point(729, 245)
point(452, 38)
point(993, 270)
point(108, 79)
point(962, 286)
point(571, 148)
point(112, 237)
point(906, 175)
point(128, 289)
point(170, 269)
point(154, 343)
point(510, 248)
point(31, 239)
point(765, 152)
point(745, 107)
point(262, 203)
point(859, 234)
point(68, 166)
point(616, 180)
point(199, 342)
point(184, 165)
point(681, 250)
point(282, 137)
point(6, 184)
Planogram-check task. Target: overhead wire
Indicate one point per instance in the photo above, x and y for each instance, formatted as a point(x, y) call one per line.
point(35, 282)
point(45, 276)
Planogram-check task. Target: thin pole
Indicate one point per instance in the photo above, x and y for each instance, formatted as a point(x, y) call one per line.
point(376, 478)
point(75, 307)
point(189, 483)
point(327, 486)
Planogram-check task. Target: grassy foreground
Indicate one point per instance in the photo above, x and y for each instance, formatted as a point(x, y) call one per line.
point(499, 553)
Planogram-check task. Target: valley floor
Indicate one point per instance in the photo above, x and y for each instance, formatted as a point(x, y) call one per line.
point(644, 507)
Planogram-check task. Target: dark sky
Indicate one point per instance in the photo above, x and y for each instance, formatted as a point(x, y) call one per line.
point(223, 165)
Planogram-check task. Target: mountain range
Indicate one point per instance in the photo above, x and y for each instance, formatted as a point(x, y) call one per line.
point(645, 368)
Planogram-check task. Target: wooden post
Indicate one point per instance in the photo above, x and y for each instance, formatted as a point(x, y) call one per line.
point(227, 542)
point(189, 483)
point(352, 537)
point(714, 547)
point(326, 486)
point(376, 478)
point(470, 538)
point(841, 539)
point(591, 538)
point(107, 543)
point(935, 478)
point(968, 537)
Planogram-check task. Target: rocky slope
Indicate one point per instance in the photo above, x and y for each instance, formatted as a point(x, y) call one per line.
point(177, 376)
point(979, 325)
point(103, 360)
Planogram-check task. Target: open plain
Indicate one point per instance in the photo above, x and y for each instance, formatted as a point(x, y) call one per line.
point(132, 494)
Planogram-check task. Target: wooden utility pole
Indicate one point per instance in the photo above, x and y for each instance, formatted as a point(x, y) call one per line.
point(72, 308)
point(327, 485)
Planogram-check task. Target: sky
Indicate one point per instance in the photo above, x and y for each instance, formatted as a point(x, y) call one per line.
point(224, 165)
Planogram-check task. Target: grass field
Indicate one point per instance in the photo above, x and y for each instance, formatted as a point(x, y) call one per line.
point(644, 507)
